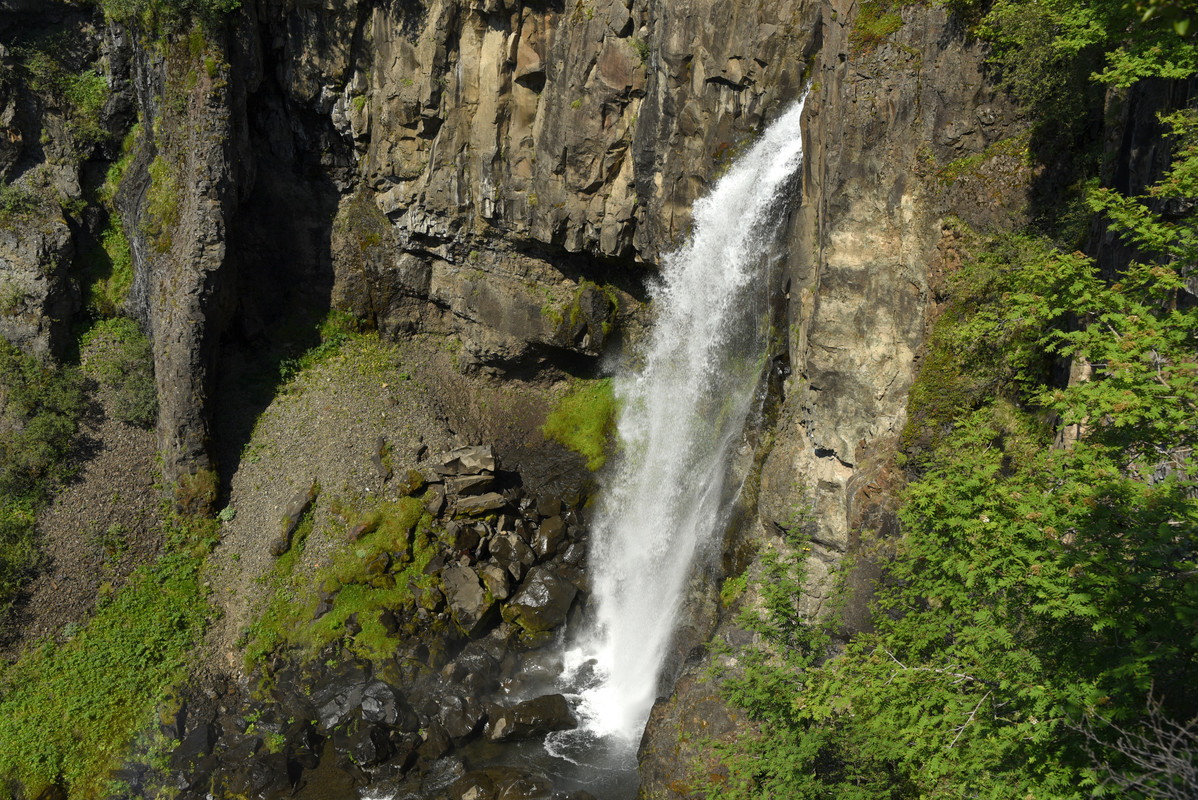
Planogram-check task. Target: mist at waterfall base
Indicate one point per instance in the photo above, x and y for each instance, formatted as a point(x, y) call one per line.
point(682, 414)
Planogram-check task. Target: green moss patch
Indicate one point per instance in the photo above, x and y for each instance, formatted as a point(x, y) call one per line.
point(584, 419)
point(369, 576)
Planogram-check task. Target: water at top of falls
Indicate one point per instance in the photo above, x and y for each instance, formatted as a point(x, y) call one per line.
point(681, 416)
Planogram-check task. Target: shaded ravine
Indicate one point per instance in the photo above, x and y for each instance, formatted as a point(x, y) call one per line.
point(682, 415)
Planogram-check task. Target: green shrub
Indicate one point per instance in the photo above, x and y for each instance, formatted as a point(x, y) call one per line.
point(41, 407)
point(118, 354)
point(876, 20)
point(106, 271)
point(82, 94)
point(17, 203)
point(584, 419)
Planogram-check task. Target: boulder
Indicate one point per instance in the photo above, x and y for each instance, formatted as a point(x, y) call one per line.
point(469, 604)
point(469, 484)
point(459, 716)
point(549, 537)
point(337, 695)
point(476, 505)
point(549, 506)
point(512, 554)
point(542, 602)
point(495, 578)
point(528, 719)
point(435, 500)
point(467, 461)
point(294, 513)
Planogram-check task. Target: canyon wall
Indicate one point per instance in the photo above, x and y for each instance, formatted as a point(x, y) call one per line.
point(510, 174)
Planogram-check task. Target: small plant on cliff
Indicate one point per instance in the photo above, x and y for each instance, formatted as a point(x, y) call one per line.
point(584, 419)
point(162, 205)
point(876, 20)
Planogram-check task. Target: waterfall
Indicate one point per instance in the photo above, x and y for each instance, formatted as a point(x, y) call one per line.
point(682, 414)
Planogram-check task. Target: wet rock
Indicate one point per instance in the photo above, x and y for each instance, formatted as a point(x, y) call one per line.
point(338, 694)
point(368, 745)
point(542, 602)
point(509, 550)
point(531, 718)
point(575, 554)
point(266, 776)
point(477, 505)
point(380, 703)
point(459, 716)
point(436, 743)
point(549, 506)
point(469, 603)
point(549, 537)
point(501, 783)
point(495, 578)
point(467, 461)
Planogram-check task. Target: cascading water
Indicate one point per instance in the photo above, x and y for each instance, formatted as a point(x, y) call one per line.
point(681, 416)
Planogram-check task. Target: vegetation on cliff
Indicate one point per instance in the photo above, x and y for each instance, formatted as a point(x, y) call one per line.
point(1035, 631)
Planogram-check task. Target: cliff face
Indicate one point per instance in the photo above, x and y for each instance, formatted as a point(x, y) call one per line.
point(510, 173)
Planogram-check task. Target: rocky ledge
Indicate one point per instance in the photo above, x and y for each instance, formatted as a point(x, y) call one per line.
point(472, 659)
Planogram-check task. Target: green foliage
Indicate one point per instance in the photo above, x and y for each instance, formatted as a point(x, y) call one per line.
point(106, 271)
point(1038, 594)
point(82, 94)
point(118, 354)
point(40, 407)
point(16, 203)
point(876, 20)
point(584, 419)
point(641, 48)
point(979, 348)
point(167, 15)
point(162, 204)
point(116, 172)
point(367, 576)
point(334, 331)
point(69, 712)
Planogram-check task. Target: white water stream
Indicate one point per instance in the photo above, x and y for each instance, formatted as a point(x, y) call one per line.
point(681, 416)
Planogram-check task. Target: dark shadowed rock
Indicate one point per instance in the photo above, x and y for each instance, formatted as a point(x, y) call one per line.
point(549, 506)
point(508, 550)
point(531, 718)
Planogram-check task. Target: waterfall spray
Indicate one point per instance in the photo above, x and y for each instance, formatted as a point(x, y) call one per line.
point(682, 414)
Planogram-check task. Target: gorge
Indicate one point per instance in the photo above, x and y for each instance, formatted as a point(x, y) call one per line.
point(413, 398)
